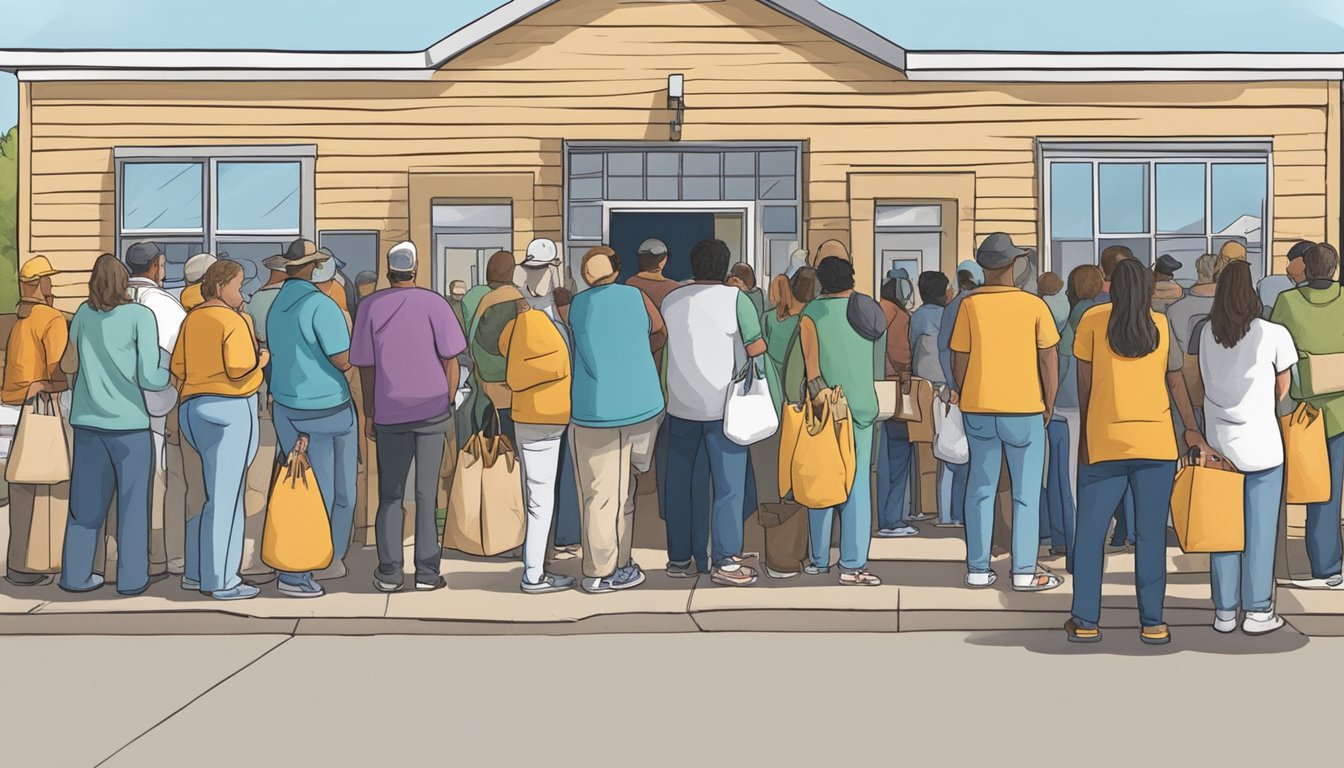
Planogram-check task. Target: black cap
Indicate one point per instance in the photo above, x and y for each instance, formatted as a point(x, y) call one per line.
point(140, 255)
point(1167, 265)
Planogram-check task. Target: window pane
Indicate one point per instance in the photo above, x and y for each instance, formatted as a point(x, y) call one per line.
point(778, 163)
point(175, 257)
point(165, 196)
point(779, 220)
point(474, 217)
point(1071, 201)
point(662, 187)
point(781, 252)
point(357, 250)
point(1068, 255)
point(625, 188)
point(251, 255)
point(1180, 198)
point(1239, 209)
point(585, 222)
point(1123, 189)
point(739, 188)
point(740, 163)
point(700, 163)
point(580, 164)
point(700, 188)
point(664, 163)
point(258, 196)
point(625, 164)
point(1186, 250)
point(909, 216)
point(777, 188)
point(589, 188)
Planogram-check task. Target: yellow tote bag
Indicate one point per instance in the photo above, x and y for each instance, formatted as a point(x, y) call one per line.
point(297, 536)
point(1306, 462)
point(822, 470)
point(790, 424)
point(1207, 507)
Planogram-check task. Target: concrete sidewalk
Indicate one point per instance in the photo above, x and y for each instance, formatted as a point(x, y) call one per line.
point(922, 590)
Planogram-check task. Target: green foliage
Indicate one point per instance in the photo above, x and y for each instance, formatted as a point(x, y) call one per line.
point(9, 220)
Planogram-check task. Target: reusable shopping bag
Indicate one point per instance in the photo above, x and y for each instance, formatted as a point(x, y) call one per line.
point(1207, 506)
point(485, 504)
point(822, 470)
point(297, 536)
point(537, 353)
point(40, 455)
point(786, 537)
point(892, 401)
point(46, 533)
point(749, 414)
point(949, 434)
point(1306, 463)
point(921, 429)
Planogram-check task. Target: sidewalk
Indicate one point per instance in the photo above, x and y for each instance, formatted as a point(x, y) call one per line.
point(921, 591)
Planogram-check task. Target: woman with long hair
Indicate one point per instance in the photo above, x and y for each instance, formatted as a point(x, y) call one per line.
point(1246, 363)
point(116, 343)
point(1127, 364)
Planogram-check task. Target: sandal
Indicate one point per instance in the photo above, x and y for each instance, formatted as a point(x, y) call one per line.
point(859, 579)
point(1040, 582)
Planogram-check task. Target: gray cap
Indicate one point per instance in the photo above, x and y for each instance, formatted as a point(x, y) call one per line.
point(401, 258)
point(998, 251)
point(140, 255)
point(653, 246)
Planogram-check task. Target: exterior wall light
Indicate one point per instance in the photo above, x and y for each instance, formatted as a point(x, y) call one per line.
point(676, 100)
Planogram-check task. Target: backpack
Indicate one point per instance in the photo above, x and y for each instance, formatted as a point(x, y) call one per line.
point(537, 352)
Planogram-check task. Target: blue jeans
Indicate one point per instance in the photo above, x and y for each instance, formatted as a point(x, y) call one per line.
point(856, 517)
point(1021, 439)
point(332, 443)
point(952, 493)
point(566, 526)
point(1246, 578)
point(1323, 541)
point(1100, 488)
point(224, 431)
point(690, 443)
point(1058, 513)
point(108, 463)
point(897, 462)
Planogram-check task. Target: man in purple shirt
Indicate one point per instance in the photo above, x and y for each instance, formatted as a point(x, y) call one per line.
point(405, 344)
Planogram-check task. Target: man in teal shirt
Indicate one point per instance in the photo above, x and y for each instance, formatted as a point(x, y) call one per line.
point(312, 408)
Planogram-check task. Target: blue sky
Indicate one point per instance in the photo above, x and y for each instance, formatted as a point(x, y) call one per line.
point(1137, 25)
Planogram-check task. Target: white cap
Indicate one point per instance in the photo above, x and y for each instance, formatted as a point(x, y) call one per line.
point(196, 266)
point(401, 258)
point(542, 253)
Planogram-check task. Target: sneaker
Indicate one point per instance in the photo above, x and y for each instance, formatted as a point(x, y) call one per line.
point(1035, 582)
point(780, 575)
point(816, 570)
point(190, 585)
point(1079, 634)
point(919, 518)
point(976, 580)
point(243, 591)
point(1158, 635)
point(686, 570)
point(1334, 582)
point(952, 524)
point(550, 582)
point(382, 584)
point(628, 577)
point(22, 579)
point(1261, 623)
point(897, 533)
point(307, 588)
point(741, 576)
point(1225, 622)
point(431, 586)
point(334, 571)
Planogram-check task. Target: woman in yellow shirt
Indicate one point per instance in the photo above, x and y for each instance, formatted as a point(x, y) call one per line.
point(218, 369)
point(1127, 363)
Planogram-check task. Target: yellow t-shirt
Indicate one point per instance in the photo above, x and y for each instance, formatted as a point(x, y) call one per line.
point(36, 344)
point(216, 354)
point(191, 296)
point(1129, 409)
point(1003, 329)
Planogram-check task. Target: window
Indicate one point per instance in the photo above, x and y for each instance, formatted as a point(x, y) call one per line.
point(246, 203)
point(465, 236)
point(1156, 199)
point(356, 250)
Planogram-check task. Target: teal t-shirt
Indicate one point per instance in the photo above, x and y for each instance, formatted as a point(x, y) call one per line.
point(118, 360)
point(303, 329)
point(615, 383)
point(846, 357)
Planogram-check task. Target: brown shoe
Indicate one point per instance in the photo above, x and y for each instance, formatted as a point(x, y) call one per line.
point(1158, 635)
point(1079, 634)
point(742, 576)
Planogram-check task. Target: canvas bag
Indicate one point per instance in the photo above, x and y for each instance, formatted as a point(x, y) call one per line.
point(485, 504)
point(39, 455)
point(822, 470)
point(46, 532)
point(1306, 461)
point(786, 536)
point(921, 429)
point(950, 445)
point(1322, 374)
point(537, 353)
point(749, 414)
point(1207, 507)
point(297, 536)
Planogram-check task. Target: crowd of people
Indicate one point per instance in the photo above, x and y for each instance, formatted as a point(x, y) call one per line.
point(1078, 395)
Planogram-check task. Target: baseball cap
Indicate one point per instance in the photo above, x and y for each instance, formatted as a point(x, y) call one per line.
point(1167, 265)
point(541, 253)
point(998, 251)
point(653, 246)
point(196, 266)
point(401, 257)
point(35, 268)
point(140, 255)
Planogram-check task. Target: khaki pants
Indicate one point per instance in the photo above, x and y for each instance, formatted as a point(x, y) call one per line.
point(926, 489)
point(605, 463)
point(49, 506)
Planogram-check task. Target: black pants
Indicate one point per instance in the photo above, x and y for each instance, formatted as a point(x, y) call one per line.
point(399, 445)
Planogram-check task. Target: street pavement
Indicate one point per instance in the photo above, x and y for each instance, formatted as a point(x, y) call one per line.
point(931, 698)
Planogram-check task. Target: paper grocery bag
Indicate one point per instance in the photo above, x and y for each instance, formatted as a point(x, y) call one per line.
point(486, 516)
point(39, 455)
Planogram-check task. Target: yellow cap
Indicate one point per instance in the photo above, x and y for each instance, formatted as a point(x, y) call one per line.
point(1233, 251)
point(34, 268)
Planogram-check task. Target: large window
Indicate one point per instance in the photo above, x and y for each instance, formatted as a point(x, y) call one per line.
point(246, 203)
point(1176, 199)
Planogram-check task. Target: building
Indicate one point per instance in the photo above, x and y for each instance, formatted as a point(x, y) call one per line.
point(770, 123)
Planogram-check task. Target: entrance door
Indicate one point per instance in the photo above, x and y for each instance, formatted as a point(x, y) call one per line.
point(909, 237)
point(678, 231)
point(463, 257)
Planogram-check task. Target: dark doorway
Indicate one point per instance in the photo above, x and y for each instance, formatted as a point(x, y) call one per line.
point(679, 231)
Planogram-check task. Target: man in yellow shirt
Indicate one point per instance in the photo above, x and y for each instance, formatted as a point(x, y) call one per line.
point(32, 367)
point(1007, 371)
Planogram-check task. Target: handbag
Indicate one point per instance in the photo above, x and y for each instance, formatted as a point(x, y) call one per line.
point(749, 414)
point(1207, 506)
point(891, 400)
point(822, 470)
point(790, 425)
point(922, 429)
point(1322, 374)
point(1306, 461)
point(950, 445)
point(485, 504)
point(297, 536)
point(39, 455)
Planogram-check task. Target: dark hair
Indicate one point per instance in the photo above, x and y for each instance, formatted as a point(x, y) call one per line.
point(966, 281)
point(1300, 249)
point(1235, 304)
point(805, 285)
point(709, 261)
point(933, 288)
point(1049, 284)
point(393, 276)
point(1321, 261)
point(743, 271)
point(108, 284)
point(499, 269)
point(1084, 283)
point(563, 297)
point(891, 291)
point(366, 278)
point(836, 275)
point(1131, 331)
point(1112, 256)
point(217, 276)
point(649, 261)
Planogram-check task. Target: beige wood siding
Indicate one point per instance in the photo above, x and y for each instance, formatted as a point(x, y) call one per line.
point(593, 70)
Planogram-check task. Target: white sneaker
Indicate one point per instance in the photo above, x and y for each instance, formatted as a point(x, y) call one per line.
point(772, 573)
point(1225, 622)
point(1261, 623)
point(1334, 582)
point(981, 580)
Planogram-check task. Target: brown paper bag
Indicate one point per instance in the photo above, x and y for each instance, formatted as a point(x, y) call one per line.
point(485, 506)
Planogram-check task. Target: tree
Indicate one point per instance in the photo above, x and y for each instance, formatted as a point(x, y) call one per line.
point(9, 220)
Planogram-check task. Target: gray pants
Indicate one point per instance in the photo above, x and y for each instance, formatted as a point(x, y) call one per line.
point(399, 445)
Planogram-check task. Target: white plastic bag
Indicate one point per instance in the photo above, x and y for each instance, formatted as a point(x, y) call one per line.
point(949, 434)
point(749, 414)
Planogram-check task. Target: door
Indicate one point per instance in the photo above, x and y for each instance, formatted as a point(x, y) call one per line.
point(679, 232)
point(909, 237)
point(463, 257)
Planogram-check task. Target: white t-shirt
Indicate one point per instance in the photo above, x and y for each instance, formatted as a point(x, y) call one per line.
point(1240, 406)
point(705, 349)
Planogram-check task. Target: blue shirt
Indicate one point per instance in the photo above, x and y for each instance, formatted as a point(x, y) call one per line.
point(945, 336)
point(615, 381)
point(925, 356)
point(118, 360)
point(303, 329)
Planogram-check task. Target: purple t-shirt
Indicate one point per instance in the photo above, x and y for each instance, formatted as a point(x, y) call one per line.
point(404, 334)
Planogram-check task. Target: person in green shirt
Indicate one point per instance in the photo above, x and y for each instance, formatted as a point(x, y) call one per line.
point(116, 359)
point(1314, 315)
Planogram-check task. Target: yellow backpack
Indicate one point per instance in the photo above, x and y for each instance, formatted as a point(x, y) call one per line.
point(537, 353)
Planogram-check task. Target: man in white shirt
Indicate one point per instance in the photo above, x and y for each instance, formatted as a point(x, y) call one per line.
point(713, 329)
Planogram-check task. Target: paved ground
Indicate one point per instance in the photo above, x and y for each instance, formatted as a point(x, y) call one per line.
point(939, 698)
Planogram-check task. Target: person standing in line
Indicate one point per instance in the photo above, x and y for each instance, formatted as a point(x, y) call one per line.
point(33, 369)
point(259, 305)
point(926, 324)
point(713, 332)
point(312, 407)
point(1006, 368)
point(1314, 315)
point(405, 344)
point(193, 272)
point(742, 277)
point(494, 311)
point(898, 453)
point(1052, 292)
point(457, 289)
point(1189, 312)
point(117, 361)
point(325, 278)
point(617, 404)
point(1272, 286)
point(567, 531)
point(1246, 363)
point(1084, 286)
point(969, 278)
point(1166, 290)
point(1126, 367)
point(652, 260)
point(218, 366)
point(1057, 502)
